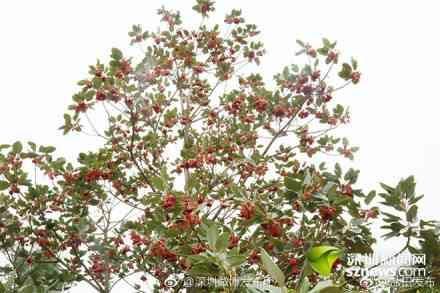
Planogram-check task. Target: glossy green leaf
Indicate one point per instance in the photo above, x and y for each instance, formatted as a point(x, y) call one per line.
point(322, 258)
point(272, 268)
point(212, 236)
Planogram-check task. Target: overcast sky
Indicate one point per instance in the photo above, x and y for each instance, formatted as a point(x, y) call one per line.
point(46, 46)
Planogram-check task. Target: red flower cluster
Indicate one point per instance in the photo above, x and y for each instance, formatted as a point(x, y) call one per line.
point(193, 163)
point(235, 107)
point(273, 228)
point(189, 204)
point(137, 239)
point(347, 190)
point(254, 257)
point(81, 107)
point(169, 201)
point(247, 210)
point(124, 69)
point(100, 96)
point(280, 111)
point(261, 104)
point(327, 213)
point(94, 175)
point(159, 249)
point(98, 267)
point(192, 219)
point(293, 262)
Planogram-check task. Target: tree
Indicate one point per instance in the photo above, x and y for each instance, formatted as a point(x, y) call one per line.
point(205, 171)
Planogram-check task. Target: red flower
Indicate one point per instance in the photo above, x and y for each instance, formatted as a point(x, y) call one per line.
point(192, 219)
point(293, 262)
point(169, 201)
point(327, 213)
point(159, 249)
point(303, 114)
point(98, 266)
point(347, 190)
point(198, 248)
point(273, 228)
point(137, 239)
point(100, 96)
point(327, 98)
point(316, 75)
point(233, 241)
point(355, 77)
point(332, 56)
point(279, 111)
point(81, 107)
point(298, 242)
point(311, 52)
point(295, 271)
point(254, 257)
point(261, 104)
point(247, 210)
point(189, 204)
point(93, 175)
point(43, 242)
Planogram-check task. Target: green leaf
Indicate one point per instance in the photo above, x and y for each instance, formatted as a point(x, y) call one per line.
point(322, 258)
point(212, 236)
point(305, 286)
point(32, 145)
point(338, 170)
point(370, 197)
point(158, 183)
point(116, 54)
point(27, 289)
point(391, 217)
point(412, 213)
point(205, 270)
point(235, 260)
point(323, 51)
point(346, 71)
point(46, 149)
point(301, 43)
point(222, 242)
point(354, 63)
point(3, 185)
point(272, 268)
point(2, 288)
point(292, 183)
point(17, 147)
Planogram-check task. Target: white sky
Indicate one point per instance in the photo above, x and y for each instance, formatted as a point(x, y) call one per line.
point(46, 46)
